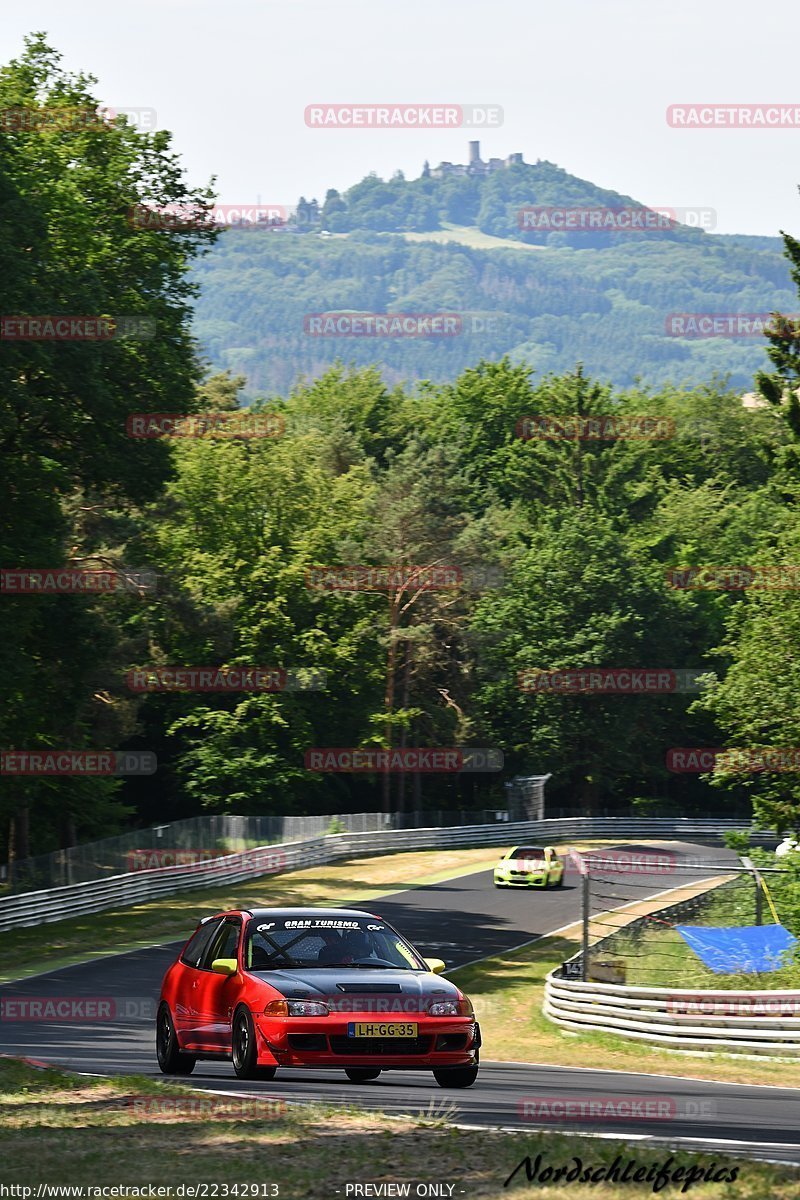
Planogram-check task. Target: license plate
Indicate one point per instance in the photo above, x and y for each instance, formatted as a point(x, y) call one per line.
point(375, 1029)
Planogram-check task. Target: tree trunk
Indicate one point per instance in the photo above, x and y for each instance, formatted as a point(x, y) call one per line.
point(22, 826)
point(12, 842)
point(401, 779)
point(67, 831)
point(388, 699)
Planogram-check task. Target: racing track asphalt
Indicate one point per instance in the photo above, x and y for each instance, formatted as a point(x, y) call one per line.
point(460, 920)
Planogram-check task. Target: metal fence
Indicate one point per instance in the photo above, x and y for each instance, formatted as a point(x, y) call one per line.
point(134, 887)
point(701, 1019)
point(198, 838)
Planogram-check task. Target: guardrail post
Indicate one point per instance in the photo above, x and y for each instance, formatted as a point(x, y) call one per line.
point(584, 870)
point(585, 936)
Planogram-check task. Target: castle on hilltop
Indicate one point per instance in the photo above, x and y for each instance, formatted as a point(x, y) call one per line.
point(475, 166)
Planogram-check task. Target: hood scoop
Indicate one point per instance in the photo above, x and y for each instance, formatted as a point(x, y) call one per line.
point(362, 989)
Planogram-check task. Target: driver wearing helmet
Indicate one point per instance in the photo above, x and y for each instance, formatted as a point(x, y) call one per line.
point(352, 946)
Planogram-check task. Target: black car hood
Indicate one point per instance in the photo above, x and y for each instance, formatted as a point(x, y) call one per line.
point(348, 984)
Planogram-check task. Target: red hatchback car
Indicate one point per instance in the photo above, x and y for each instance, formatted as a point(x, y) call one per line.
point(313, 987)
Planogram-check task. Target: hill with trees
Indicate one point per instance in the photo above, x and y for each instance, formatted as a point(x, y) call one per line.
point(454, 244)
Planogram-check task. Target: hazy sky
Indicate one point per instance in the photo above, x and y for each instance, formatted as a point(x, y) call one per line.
point(583, 83)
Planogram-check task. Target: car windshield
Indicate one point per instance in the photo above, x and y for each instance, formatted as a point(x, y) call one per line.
point(527, 852)
point(308, 940)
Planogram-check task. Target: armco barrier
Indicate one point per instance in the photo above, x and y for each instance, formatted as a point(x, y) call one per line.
point(732, 1022)
point(699, 1019)
point(119, 891)
point(193, 839)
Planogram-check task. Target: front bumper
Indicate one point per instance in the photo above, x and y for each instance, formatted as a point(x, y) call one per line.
point(521, 880)
point(324, 1042)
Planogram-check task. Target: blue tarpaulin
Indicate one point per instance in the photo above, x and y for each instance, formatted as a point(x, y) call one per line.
point(747, 948)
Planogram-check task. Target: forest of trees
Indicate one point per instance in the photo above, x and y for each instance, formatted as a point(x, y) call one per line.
point(607, 307)
point(563, 545)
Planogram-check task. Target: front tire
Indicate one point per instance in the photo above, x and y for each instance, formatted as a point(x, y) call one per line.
point(456, 1077)
point(170, 1058)
point(362, 1074)
point(244, 1052)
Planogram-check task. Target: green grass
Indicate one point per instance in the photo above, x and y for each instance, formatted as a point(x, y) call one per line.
point(65, 1129)
point(29, 951)
point(657, 955)
point(508, 993)
point(469, 235)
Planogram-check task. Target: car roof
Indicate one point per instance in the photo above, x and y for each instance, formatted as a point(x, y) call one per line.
point(310, 909)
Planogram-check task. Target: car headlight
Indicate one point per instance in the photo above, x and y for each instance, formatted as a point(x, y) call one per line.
point(451, 1008)
point(296, 1008)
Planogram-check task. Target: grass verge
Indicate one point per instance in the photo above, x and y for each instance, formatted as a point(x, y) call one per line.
point(44, 947)
point(658, 956)
point(63, 1129)
point(508, 992)
point(38, 948)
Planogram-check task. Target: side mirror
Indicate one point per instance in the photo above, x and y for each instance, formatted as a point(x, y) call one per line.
point(437, 965)
point(224, 966)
